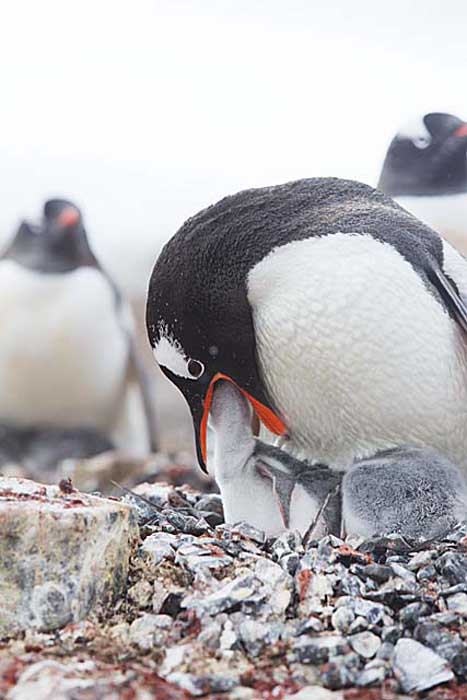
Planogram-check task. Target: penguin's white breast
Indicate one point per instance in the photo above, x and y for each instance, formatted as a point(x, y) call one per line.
point(62, 351)
point(446, 214)
point(355, 352)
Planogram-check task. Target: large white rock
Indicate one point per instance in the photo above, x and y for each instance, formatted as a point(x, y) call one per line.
point(61, 553)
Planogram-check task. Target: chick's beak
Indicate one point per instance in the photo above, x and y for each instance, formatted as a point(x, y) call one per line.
point(200, 414)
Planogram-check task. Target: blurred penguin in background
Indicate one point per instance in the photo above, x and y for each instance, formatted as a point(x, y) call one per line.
point(69, 365)
point(425, 171)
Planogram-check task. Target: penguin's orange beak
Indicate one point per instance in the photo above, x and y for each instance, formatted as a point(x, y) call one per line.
point(68, 217)
point(269, 419)
point(461, 131)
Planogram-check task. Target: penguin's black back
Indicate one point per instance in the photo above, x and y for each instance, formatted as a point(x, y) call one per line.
point(227, 239)
point(199, 279)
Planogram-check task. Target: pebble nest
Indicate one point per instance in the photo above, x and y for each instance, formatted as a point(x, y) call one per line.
point(220, 611)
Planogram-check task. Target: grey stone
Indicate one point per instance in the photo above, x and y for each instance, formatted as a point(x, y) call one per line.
point(311, 625)
point(158, 547)
point(61, 553)
point(411, 614)
point(318, 650)
point(211, 503)
point(247, 530)
point(417, 667)
point(458, 603)
point(198, 685)
point(366, 644)
point(228, 596)
point(374, 673)
point(147, 630)
point(342, 619)
point(453, 565)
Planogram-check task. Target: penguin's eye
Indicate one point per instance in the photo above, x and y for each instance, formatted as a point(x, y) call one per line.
point(195, 368)
point(421, 142)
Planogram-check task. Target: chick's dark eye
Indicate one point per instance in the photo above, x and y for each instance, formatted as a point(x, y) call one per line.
point(195, 368)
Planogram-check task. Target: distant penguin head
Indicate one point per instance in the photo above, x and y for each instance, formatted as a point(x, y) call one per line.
point(57, 244)
point(427, 157)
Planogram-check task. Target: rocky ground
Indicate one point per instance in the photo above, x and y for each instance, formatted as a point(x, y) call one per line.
point(220, 611)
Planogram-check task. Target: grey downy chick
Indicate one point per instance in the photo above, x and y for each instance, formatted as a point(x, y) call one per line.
point(412, 491)
point(261, 484)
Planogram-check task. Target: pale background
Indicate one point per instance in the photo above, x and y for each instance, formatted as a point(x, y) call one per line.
point(145, 111)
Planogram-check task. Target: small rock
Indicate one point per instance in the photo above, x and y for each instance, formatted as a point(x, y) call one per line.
point(144, 630)
point(366, 644)
point(341, 672)
point(453, 565)
point(247, 530)
point(374, 673)
point(212, 503)
point(426, 573)
point(459, 663)
point(410, 615)
point(391, 634)
point(158, 547)
point(417, 667)
point(202, 685)
point(385, 651)
point(141, 593)
point(231, 594)
point(377, 572)
point(342, 619)
point(159, 595)
point(317, 650)
point(458, 603)
point(421, 559)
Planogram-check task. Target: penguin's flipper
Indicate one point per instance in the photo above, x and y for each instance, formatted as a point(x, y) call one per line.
point(453, 299)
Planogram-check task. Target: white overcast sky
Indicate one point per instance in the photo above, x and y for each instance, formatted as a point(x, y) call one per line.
point(145, 111)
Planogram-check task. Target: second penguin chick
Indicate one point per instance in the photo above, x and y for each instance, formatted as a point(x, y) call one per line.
point(261, 484)
point(411, 491)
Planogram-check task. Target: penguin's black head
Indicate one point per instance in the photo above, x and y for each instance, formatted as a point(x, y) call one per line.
point(57, 244)
point(429, 157)
point(198, 316)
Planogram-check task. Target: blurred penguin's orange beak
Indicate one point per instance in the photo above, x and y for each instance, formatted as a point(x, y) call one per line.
point(269, 419)
point(68, 217)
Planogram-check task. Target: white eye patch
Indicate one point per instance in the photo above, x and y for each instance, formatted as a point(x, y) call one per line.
point(416, 131)
point(170, 354)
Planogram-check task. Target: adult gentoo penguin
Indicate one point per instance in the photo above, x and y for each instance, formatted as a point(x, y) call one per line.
point(338, 314)
point(68, 357)
point(425, 169)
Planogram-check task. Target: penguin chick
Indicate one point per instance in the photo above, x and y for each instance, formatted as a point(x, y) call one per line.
point(295, 484)
point(246, 494)
point(260, 483)
point(412, 491)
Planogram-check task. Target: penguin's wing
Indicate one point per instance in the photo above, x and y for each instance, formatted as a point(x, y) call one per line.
point(450, 280)
point(456, 304)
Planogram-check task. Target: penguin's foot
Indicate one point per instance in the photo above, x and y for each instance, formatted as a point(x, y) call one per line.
point(411, 491)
